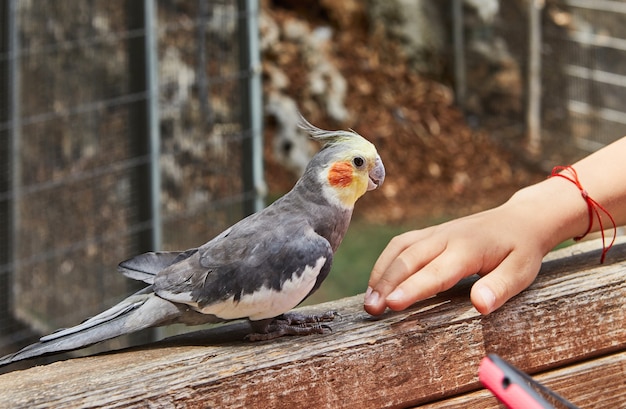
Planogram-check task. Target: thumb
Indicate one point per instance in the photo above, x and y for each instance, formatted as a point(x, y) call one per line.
point(507, 280)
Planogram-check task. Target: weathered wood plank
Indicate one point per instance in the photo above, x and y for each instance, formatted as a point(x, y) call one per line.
point(597, 383)
point(573, 312)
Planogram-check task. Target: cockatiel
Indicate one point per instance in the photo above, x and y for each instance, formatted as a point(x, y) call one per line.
point(258, 269)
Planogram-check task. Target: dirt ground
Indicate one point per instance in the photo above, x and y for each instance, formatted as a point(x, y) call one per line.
point(437, 165)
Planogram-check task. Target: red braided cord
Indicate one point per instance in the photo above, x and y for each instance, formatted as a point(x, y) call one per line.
point(593, 206)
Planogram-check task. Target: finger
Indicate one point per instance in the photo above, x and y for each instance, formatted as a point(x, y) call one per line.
point(402, 267)
point(439, 275)
point(396, 246)
point(512, 276)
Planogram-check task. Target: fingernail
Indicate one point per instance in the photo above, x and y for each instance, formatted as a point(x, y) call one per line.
point(488, 297)
point(371, 296)
point(396, 295)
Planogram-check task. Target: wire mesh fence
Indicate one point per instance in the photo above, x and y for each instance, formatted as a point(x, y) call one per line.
point(581, 54)
point(125, 126)
point(592, 37)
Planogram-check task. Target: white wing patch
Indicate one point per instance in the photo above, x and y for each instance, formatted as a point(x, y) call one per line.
point(267, 302)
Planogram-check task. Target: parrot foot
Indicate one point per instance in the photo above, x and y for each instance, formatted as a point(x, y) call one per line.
point(291, 324)
point(294, 318)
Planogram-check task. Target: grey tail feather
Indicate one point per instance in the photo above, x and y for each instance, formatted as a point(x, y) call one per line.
point(145, 267)
point(143, 309)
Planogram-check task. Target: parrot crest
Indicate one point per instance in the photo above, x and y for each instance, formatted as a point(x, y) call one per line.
point(351, 165)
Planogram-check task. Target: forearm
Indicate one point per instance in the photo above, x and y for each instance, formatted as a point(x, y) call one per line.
point(556, 208)
point(603, 175)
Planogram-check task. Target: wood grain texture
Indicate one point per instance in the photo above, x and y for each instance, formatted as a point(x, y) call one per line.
point(596, 383)
point(572, 313)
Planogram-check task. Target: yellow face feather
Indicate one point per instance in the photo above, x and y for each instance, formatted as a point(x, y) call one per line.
point(357, 170)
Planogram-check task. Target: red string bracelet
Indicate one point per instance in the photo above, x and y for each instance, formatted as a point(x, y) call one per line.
point(593, 206)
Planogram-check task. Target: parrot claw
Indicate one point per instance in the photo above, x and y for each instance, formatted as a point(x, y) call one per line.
point(328, 327)
point(291, 324)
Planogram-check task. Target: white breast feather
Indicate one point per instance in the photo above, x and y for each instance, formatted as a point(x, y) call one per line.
point(266, 302)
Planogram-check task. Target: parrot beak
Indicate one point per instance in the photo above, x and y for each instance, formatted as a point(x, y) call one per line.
point(376, 175)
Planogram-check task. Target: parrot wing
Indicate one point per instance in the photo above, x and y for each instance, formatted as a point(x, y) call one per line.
point(145, 267)
point(258, 269)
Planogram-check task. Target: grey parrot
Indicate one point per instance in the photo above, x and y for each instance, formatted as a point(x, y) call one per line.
point(258, 269)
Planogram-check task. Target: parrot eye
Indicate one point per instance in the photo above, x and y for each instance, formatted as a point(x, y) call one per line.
point(358, 161)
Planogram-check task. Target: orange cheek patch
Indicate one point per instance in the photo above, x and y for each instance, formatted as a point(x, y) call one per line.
point(340, 174)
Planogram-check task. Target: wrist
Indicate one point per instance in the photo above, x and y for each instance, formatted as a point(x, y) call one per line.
point(554, 210)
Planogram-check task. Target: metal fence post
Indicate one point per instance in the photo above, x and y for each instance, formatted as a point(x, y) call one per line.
point(144, 123)
point(5, 161)
point(251, 104)
point(144, 132)
point(10, 135)
point(533, 108)
point(204, 89)
point(459, 52)
point(152, 102)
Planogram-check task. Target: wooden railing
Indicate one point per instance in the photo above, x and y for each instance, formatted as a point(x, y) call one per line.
point(568, 328)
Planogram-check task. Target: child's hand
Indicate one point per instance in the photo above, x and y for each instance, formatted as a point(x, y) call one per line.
point(422, 263)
